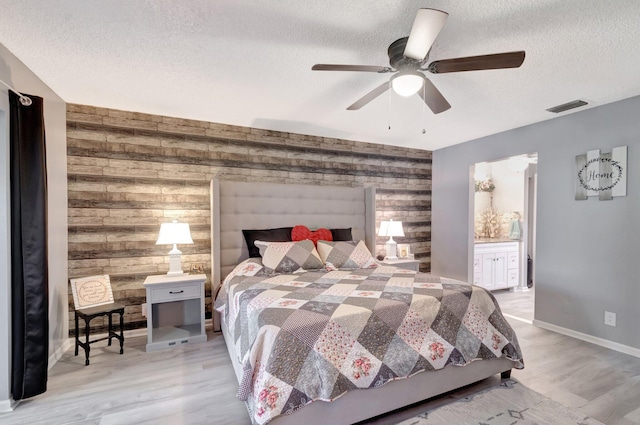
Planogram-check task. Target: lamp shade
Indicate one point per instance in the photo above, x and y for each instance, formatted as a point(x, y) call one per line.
point(407, 83)
point(384, 228)
point(391, 228)
point(174, 233)
point(395, 228)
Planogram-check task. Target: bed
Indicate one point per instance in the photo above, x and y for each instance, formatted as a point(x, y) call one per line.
point(290, 383)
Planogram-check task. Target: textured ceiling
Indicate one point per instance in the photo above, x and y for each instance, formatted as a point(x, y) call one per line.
point(249, 62)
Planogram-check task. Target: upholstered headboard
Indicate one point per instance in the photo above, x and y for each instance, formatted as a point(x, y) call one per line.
point(249, 205)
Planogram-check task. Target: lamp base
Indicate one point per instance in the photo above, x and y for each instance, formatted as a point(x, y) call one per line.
point(175, 262)
point(391, 248)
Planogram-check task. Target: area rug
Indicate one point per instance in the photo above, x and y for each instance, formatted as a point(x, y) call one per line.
point(510, 403)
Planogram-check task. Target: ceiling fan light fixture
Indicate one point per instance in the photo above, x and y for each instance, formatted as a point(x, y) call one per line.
point(408, 57)
point(407, 83)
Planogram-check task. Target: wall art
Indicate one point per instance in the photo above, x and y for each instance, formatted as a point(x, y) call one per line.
point(601, 174)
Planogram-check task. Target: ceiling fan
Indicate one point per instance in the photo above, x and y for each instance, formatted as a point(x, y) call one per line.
point(408, 57)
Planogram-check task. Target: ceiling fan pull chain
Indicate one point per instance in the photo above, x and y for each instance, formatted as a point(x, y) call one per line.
point(389, 110)
point(424, 120)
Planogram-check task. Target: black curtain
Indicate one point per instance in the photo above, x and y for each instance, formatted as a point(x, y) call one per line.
point(29, 270)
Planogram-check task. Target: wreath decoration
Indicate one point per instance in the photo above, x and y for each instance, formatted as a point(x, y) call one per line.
point(616, 168)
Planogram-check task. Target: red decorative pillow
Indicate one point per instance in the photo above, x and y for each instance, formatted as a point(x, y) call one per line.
point(300, 233)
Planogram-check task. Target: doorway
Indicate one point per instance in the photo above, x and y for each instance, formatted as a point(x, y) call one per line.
point(502, 223)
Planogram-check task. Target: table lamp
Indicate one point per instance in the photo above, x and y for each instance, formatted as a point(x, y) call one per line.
point(172, 234)
point(391, 228)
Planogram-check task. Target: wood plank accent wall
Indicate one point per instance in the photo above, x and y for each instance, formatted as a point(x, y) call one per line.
point(128, 172)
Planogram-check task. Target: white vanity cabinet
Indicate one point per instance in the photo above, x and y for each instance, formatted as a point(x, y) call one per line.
point(496, 265)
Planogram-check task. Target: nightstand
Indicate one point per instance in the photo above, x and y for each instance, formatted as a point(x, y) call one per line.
point(175, 310)
point(403, 264)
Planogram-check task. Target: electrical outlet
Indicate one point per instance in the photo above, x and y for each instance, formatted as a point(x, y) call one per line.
point(609, 318)
point(144, 309)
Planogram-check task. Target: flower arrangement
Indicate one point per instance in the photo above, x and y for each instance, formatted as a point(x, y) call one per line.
point(485, 185)
point(491, 220)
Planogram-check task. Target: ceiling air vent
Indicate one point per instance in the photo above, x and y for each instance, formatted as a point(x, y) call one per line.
point(567, 106)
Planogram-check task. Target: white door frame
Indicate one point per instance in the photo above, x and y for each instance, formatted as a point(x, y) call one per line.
point(528, 219)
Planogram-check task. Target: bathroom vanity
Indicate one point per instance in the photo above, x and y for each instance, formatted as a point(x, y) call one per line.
point(496, 264)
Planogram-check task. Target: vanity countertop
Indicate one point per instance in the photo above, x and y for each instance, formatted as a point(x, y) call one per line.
point(493, 240)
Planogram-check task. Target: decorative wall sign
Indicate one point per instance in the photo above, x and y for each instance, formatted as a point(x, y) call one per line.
point(91, 291)
point(602, 175)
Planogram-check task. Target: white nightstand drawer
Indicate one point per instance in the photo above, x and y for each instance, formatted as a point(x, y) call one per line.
point(175, 292)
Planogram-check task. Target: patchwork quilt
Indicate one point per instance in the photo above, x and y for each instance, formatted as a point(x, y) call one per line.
point(315, 335)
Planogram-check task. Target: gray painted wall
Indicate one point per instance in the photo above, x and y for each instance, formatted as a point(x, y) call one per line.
point(15, 73)
point(587, 251)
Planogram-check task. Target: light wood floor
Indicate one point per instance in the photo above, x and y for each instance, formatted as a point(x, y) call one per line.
point(519, 304)
point(196, 385)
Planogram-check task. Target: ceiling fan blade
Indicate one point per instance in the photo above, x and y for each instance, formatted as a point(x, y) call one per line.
point(433, 98)
point(369, 96)
point(359, 68)
point(477, 63)
point(426, 28)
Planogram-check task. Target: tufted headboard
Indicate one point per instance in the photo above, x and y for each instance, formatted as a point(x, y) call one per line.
point(249, 205)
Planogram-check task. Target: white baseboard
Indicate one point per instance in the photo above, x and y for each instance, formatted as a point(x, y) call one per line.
point(632, 351)
point(71, 342)
point(134, 332)
point(58, 352)
point(8, 405)
point(510, 316)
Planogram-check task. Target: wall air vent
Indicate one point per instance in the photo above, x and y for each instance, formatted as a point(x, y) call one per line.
point(567, 106)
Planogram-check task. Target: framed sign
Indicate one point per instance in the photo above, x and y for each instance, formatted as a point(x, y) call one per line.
point(404, 250)
point(601, 174)
point(91, 291)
